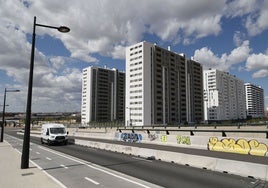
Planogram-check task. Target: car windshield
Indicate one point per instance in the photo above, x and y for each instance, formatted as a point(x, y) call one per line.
point(57, 130)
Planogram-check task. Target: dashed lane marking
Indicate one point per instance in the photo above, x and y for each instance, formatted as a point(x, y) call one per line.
point(91, 180)
point(93, 167)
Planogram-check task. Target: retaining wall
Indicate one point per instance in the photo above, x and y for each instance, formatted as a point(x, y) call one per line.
point(235, 144)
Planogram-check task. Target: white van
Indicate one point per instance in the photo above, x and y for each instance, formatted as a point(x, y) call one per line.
point(54, 133)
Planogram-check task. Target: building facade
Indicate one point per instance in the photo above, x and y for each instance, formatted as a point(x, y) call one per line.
point(224, 96)
point(102, 95)
point(156, 92)
point(254, 100)
point(194, 85)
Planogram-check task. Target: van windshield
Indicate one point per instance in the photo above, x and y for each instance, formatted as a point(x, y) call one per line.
point(57, 130)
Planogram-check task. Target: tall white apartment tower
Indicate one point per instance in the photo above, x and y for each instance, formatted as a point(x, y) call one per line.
point(224, 96)
point(155, 86)
point(254, 100)
point(102, 95)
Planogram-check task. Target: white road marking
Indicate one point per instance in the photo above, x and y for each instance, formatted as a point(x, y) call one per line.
point(48, 158)
point(91, 180)
point(64, 166)
point(37, 153)
point(50, 176)
point(94, 167)
point(84, 163)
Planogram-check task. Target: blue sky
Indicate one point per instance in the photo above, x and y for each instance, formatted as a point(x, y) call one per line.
point(230, 35)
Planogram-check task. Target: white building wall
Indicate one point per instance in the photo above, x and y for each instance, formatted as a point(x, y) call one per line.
point(86, 115)
point(224, 96)
point(138, 85)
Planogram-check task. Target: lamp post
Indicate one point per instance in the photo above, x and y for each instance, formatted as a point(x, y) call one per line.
point(4, 108)
point(26, 138)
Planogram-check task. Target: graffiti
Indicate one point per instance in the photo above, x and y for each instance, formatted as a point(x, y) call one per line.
point(183, 140)
point(164, 138)
point(241, 146)
point(131, 137)
point(152, 137)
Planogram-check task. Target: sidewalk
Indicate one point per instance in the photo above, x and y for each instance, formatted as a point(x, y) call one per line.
point(12, 176)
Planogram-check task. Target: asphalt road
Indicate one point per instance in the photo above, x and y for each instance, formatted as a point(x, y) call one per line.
point(157, 172)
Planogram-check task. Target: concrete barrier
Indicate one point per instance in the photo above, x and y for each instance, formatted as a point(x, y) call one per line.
point(216, 142)
point(245, 169)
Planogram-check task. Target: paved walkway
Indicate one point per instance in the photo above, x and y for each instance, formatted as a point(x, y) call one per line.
point(12, 176)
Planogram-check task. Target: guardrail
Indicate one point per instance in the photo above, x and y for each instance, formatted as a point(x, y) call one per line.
point(235, 125)
point(192, 131)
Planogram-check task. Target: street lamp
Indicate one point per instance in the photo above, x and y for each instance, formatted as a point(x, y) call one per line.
point(26, 139)
point(4, 108)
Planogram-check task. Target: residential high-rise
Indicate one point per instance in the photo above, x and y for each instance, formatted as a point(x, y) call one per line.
point(254, 100)
point(195, 104)
point(102, 95)
point(156, 90)
point(224, 96)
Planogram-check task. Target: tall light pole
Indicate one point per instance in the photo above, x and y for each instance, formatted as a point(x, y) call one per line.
point(26, 139)
point(4, 108)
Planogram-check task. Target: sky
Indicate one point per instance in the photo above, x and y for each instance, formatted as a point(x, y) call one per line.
point(228, 35)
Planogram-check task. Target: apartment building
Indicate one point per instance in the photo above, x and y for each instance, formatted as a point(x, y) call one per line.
point(156, 90)
point(194, 85)
point(224, 96)
point(254, 100)
point(102, 95)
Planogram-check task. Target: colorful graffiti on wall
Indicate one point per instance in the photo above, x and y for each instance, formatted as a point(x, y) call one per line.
point(152, 137)
point(241, 146)
point(131, 137)
point(163, 138)
point(183, 140)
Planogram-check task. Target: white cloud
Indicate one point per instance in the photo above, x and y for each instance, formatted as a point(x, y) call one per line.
point(239, 54)
point(260, 74)
point(207, 58)
point(185, 20)
point(241, 7)
point(258, 62)
point(119, 52)
point(14, 52)
point(257, 23)
point(256, 12)
point(223, 62)
point(15, 62)
point(238, 38)
point(99, 25)
point(103, 26)
point(204, 26)
point(57, 62)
